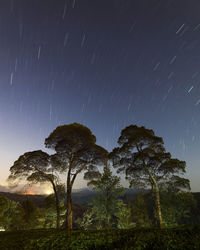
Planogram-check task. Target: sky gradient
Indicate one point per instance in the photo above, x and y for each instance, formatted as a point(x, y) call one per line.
point(104, 64)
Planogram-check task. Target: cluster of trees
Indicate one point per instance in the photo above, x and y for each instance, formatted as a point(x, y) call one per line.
point(108, 210)
point(141, 156)
point(27, 215)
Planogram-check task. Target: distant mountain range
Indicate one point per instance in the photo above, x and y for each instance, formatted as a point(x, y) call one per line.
point(37, 199)
point(85, 195)
point(79, 196)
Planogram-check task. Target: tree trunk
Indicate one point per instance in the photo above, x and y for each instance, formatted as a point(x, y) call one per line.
point(69, 210)
point(158, 207)
point(157, 196)
point(57, 207)
point(155, 189)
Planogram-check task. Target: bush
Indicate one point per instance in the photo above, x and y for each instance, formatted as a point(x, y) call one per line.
point(138, 239)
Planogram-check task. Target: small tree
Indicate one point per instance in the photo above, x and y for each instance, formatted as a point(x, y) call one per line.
point(142, 157)
point(87, 220)
point(124, 216)
point(108, 190)
point(177, 207)
point(4, 205)
point(76, 149)
point(49, 210)
point(140, 210)
point(11, 217)
point(38, 167)
point(29, 213)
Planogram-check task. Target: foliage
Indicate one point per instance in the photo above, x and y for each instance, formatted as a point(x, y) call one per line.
point(4, 204)
point(38, 166)
point(87, 221)
point(21, 216)
point(76, 148)
point(49, 213)
point(104, 205)
point(12, 218)
point(140, 210)
point(177, 238)
point(29, 214)
point(31, 166)
point(77, 151)
point(177, 208)
point(124, 217)
point(26, 215)
point(142, 157)
point(195, 211)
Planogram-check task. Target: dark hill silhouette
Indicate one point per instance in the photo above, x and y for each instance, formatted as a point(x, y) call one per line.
point(80, 197)
point(38, 200)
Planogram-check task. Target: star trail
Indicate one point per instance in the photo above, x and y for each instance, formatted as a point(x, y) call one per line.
point(104, 64)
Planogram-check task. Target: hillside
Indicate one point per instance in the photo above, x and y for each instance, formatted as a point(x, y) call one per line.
point(38, 200)
point(80, 197)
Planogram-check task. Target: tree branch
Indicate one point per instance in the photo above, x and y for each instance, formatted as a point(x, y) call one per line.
point(77, 172)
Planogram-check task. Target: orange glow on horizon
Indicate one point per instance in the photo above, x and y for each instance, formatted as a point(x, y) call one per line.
point(30, 192)
point(37, 192)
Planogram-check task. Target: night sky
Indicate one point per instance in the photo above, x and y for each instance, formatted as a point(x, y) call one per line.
point(105, 64)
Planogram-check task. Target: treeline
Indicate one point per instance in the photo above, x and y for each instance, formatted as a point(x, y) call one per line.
point(140, 156)
point(26, 215)
point(180, 209)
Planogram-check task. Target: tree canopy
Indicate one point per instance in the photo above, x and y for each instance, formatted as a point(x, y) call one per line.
point(76, 149)
point(142, 157)
point(38, 167)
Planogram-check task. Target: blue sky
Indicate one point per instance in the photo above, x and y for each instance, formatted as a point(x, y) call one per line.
point(105, 65)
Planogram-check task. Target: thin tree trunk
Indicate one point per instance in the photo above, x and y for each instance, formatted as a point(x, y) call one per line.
point(159, 214)
point(69, 201)
point(57, 207)
point(56, 196)
point(69, 211)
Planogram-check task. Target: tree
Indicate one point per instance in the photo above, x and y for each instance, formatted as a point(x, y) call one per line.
point(195, 212)
point(142, 156)
point(11, 217)
point(86, 221)
point(140, 210)
point(177, 207)
point(76, 149)
point(4, 205)
point(29, 214)
point(38, 167)
point(108, 190)
point(124, 215)
point(49, 210)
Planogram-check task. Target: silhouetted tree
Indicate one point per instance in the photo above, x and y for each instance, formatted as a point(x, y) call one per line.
point(38, 167)
point(76, 148)
point(141, 155)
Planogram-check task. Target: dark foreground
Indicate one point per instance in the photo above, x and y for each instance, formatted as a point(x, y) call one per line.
point(177, 238)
